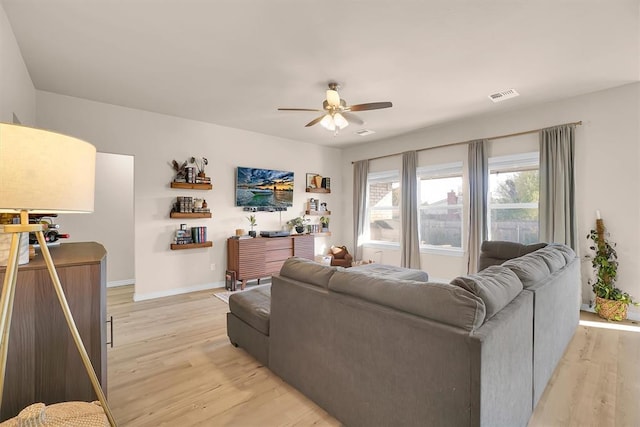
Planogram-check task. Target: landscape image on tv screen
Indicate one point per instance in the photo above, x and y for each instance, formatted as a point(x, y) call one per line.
point(264, 187)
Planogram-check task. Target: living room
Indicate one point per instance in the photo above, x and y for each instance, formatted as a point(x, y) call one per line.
point(607, 155)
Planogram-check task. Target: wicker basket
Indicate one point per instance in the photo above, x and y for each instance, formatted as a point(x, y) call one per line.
point(610, 309)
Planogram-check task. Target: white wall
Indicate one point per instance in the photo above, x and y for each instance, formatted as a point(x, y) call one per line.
point(154, 140)
point(607, 173)
point(111, 222)
point(17, 94)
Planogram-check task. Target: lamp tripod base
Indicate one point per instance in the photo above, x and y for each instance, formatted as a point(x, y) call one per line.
point(6, 307)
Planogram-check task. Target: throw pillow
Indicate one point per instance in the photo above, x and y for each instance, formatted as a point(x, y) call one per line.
point(338, 252)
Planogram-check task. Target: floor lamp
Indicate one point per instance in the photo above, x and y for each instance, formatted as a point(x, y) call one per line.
point(42, 172)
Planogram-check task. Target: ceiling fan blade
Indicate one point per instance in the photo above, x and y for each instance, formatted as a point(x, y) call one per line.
point(314, 121)
point(369, 106)
point(298, 109)
point(352, 118)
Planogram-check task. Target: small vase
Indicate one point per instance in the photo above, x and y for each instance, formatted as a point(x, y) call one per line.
point(252, 233)
point(299, 229)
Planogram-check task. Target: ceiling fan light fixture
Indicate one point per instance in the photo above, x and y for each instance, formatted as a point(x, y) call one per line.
point(328, 123)
point(340, 121)
point(333, 98)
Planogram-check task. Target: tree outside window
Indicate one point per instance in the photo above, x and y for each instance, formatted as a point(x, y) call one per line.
point(513, 199)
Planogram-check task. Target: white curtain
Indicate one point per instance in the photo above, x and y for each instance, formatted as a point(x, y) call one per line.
point(360, 176)
point(410, 240)
point(557, 186)
point(478, 193)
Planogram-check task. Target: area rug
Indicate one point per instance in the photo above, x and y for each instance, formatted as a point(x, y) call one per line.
point(224, 295)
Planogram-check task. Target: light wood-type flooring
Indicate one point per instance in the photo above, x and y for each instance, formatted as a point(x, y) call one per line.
point(172, 364)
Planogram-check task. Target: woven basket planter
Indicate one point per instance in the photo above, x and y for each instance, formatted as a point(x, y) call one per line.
point(610, 309)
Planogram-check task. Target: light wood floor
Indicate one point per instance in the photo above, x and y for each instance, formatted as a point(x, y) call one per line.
point(172, 364)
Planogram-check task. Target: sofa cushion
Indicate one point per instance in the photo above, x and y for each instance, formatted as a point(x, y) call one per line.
point(497, 286)
point(253, 307)
point(496, 252)
point(566, 251)
point(554, 258)
point(391, 271)
point(308, 271)
point(529, 268)
point(437, 301)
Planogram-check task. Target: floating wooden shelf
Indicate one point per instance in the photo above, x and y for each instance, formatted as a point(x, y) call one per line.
point(191, 245)
point(318, 190)
point(191, 186)
point(321, 234)
point(190, 215)
point(318, 212)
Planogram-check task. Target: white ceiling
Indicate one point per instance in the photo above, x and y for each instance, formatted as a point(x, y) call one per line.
point(233, 62)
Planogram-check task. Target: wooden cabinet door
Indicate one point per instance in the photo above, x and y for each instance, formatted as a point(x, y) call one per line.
point(43, 363)
point(304, 246)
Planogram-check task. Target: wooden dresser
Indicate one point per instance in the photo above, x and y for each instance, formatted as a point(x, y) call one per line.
point(43, 364)
point(263, 256)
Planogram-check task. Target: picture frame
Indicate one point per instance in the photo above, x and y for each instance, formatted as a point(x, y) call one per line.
point(310, 183)
point(264, 188)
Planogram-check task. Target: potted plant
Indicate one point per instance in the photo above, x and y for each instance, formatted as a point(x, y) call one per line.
point(611, 302)
point(200, 164)
point(324, 222)
point(252, 223)
point(298, 223)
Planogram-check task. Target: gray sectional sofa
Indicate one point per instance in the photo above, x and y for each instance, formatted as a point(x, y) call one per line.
point(377, 350)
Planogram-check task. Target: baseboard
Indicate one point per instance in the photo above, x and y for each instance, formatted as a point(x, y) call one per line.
point(631, 315)
point(116, 283)
point(176, 291)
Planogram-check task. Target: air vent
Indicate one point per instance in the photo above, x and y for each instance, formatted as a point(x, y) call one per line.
point(501, 96)
point(364, 132)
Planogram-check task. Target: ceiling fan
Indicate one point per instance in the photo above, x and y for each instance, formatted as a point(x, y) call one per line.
point(336, 113)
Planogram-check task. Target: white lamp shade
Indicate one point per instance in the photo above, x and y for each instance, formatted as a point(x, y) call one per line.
point(333, 98)
point(45, 172)
point(327, 122)
point(340, 121)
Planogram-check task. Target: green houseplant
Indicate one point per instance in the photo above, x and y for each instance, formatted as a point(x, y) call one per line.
point(252, 223)
point(298, 223)
point(324, 222)
point(611, 303)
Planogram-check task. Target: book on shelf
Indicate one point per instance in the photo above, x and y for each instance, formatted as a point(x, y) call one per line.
point(183, 237)
point(199, 234)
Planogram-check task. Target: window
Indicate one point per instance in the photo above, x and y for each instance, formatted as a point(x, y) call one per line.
point(514, 189)
point(384, 207)
point(440, 205)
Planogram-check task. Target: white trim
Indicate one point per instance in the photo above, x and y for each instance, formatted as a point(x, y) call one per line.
point(177, 291)
point(383, 176)
point(531, 159)
point(436, 250)
point(116, 283)
point(524, 205)
point(630, 315)
point(377, 244)
point(441, 170)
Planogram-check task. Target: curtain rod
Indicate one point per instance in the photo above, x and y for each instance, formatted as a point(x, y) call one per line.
point(471, 140)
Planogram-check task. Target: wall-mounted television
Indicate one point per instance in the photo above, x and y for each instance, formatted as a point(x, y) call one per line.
point(264, 188)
